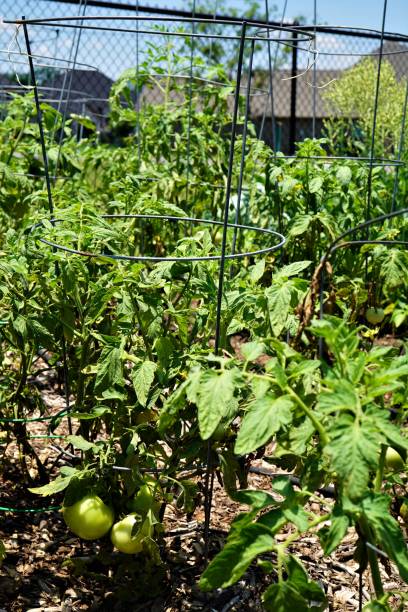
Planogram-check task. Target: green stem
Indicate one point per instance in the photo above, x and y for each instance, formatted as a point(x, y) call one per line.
point(380, 470)
point(145, 339)
point(324, 438)
point(372, 557)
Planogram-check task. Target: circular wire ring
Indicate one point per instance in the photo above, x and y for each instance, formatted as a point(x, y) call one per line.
point(234, 226)
point(302, 36)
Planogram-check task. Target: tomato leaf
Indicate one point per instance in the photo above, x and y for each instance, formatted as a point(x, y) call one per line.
point(229, 565)
point(387, 531)
point(214, 395)
point(266, 416)
point(353, 451)
point(142, 378)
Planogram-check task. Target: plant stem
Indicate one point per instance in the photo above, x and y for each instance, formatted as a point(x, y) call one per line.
point(380, 470)
point(324, 438)
point(372, 557)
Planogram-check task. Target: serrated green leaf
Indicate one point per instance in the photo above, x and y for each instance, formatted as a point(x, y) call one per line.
point(142, 378)
point(109, 377)
point(257, 271)
point(296, 592)
point(292, 269)
point(57, 485)
point(279, 299)
point(252, 350)
point(353, 452)
point(331, 536)
point(81, 444)
point(344, 175)
point(214, 395)
point(316, 184)
point(229, 565)
point(387, 531)
point(300, 225)
point(266, 416)
point(341, 395)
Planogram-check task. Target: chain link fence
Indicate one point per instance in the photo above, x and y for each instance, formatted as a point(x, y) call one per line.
point(300, 85)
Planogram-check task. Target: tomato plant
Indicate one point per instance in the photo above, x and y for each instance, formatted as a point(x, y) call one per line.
point(149, 401)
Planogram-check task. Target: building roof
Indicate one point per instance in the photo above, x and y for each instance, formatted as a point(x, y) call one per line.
point(282, 87)
point(397, 54)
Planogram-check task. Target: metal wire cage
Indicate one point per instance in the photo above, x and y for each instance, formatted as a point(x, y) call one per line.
point(192, 88)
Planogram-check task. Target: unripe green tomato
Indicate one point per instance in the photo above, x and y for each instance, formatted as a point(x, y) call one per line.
point(393, 460)
point(375, 315)
point(121, 536)
point(89, 518)
point(219, 432)
point(404, 512)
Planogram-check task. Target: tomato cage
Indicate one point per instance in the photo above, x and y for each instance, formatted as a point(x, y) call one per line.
point(189, 191)
point(180, 206)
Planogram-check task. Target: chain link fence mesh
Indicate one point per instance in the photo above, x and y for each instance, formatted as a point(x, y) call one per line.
point(300, 105)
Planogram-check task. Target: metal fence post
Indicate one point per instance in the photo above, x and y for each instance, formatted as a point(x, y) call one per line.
point(293, 93)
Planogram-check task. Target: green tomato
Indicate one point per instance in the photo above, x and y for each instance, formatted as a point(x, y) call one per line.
point(404, 512)
point(375, 315)
point(121, 535)
point(89, 518)
point(219, 432)
point(393, 460)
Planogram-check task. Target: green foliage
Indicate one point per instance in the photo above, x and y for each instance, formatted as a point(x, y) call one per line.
point(350, 102)
point(146, 390)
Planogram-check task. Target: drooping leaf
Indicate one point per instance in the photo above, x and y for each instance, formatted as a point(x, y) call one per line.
point(387, 531)
point(257, 271)
point(279, 299)
point(229, 565)
point(214, 395)
point(266, 416)
point(109, 378)
point(55, 486)
point(297, 592)
point(331, 536)
point(142, 378)
point(81, 444)
point(353, 451)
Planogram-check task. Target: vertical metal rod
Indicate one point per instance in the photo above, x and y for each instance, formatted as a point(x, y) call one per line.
point(400, 148)
point(321, 294)
point(39, 117)
point(270, 73)
point(49, 194)
point(64, 82)
point(139, 151)
point(209, 475)
point(228, 187)
point(244, 140)
point(293, 93)
point(314, 94)
point(190, 103)
point(211, 39)
point(68, 97)
point(376, 99)
point(271, 98)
